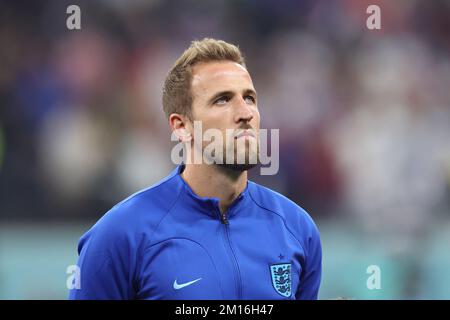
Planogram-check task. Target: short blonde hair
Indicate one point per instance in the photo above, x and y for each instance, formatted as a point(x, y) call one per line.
point(177, 96)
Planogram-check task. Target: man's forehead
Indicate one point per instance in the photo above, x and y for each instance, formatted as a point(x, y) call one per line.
point(218, 73)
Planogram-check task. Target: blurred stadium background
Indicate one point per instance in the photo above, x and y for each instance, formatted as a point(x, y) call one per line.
point(364, 120)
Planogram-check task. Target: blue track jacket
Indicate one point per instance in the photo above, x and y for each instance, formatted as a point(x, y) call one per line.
point(165, 242)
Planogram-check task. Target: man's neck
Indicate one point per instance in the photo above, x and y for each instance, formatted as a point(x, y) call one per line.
point(214, 181)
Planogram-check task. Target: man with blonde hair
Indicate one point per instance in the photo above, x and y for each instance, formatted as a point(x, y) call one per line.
point(205, 231)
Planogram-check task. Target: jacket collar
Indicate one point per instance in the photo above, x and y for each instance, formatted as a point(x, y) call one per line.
point(207, 205)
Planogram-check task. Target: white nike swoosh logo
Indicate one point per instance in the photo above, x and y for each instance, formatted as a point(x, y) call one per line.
point(177, 286)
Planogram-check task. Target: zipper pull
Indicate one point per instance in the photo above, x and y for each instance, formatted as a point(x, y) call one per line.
point(224, 219)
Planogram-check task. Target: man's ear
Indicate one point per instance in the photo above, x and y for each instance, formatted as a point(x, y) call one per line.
point(180, 126)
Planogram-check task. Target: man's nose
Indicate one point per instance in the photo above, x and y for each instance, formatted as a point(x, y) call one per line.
point(244, 111)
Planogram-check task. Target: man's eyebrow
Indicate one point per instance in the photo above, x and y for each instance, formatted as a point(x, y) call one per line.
point(229, 93)
point(250, 91)
point(219, 94)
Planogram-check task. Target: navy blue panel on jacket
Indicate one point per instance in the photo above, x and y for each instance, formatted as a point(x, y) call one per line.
point(165, 242)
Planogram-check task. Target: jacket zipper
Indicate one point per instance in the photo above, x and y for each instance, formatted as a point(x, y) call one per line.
point(226, 224)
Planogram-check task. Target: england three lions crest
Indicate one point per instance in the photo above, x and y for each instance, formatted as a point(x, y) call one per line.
point(281, 278)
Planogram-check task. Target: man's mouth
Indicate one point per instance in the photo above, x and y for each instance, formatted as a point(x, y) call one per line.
point(244, 133)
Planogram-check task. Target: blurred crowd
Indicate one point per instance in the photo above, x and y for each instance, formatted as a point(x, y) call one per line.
point(364, 115)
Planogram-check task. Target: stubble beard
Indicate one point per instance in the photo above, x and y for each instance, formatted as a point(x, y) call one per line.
point(240, 167)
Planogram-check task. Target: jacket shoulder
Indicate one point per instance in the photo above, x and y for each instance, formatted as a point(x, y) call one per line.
point(297, 219)
point(131, 219)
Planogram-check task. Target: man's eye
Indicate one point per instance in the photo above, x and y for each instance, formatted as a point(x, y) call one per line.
point(222, 100)
point(250, 99)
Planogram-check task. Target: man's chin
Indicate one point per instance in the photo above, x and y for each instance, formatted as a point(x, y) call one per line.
point(239, 167)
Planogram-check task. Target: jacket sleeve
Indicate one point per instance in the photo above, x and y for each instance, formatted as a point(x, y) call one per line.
point(312, 269)
point(104, 263)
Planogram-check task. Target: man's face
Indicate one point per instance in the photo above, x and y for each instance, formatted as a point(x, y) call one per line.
point(224, 98)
